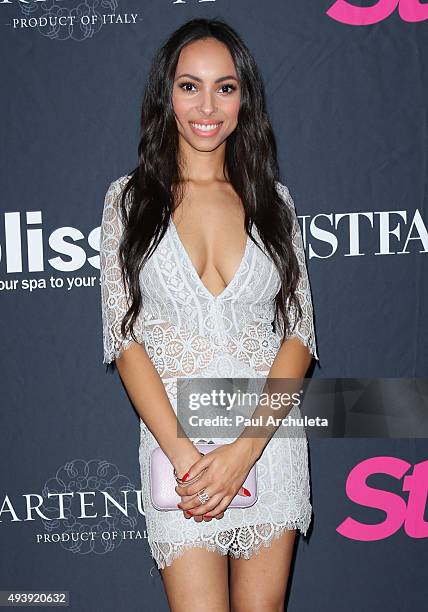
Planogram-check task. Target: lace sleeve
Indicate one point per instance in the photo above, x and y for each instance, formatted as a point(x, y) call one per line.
point(113, 297)
point(305, 329)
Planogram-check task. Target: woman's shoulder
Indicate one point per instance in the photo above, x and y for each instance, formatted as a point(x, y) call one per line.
point(119, 183)
point(284, 192)
point(113, 195)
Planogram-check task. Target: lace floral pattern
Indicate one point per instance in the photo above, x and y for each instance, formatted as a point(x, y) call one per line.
point(188, 332)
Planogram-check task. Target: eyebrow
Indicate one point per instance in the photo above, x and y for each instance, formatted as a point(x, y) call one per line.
point(195, 78)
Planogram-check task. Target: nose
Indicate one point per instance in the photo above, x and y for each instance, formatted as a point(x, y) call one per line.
point(207, 105)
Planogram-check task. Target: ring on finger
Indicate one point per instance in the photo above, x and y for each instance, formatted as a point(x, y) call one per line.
point(203, 496)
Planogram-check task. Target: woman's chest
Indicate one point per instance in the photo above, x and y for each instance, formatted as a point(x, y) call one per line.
point(209, 229)
point(170, 276)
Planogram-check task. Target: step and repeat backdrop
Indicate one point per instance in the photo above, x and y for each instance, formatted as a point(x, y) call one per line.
point(346, 86)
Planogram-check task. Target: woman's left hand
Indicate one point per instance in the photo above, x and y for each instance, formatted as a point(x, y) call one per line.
point(226, 468)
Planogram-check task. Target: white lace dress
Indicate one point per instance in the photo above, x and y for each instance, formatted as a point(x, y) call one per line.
point(188, 332)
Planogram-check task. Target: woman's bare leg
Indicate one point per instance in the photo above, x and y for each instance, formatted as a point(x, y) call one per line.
point(260, 583)
point(198, 580)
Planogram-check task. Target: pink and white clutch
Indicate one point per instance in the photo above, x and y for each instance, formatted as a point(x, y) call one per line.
point(162, 481)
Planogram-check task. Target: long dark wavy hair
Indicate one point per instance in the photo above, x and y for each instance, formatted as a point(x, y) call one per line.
point(155, 189)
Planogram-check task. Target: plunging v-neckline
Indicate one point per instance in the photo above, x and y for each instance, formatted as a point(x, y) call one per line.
point(195, 272)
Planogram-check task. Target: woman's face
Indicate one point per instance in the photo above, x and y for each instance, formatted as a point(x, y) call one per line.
point(206, 94)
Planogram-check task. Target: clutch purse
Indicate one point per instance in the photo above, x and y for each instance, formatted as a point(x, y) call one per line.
point(162, 481)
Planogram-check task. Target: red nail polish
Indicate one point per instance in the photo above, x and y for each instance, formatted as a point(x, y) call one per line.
point(207, 516)
point(189, 513)
point(246, 492)
point(186, 476)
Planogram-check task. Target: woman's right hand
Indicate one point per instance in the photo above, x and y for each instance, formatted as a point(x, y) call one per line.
point(182, 466)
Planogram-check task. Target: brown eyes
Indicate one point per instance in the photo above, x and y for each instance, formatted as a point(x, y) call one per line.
point(184, 87)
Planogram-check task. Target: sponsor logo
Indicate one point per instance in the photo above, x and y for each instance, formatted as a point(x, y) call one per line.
point(346, 12)
point(86, 506)
point(68, 19)
point(400, 512)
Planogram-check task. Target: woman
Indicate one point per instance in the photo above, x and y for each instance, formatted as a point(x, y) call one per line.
point(203, 275)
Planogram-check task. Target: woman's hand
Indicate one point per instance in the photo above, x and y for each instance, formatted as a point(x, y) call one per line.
point(222, 472)
point(187, 460)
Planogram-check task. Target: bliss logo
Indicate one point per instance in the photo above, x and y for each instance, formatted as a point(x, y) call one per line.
point(409, 10)
point(398, 512)
point(30, 247)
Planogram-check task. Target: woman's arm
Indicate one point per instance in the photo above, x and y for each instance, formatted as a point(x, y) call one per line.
point(140, 377)
point(147, 393)
point(297, 350)
point(291, 362)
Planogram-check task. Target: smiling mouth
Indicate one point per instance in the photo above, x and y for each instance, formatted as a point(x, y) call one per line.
point(205, 127)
